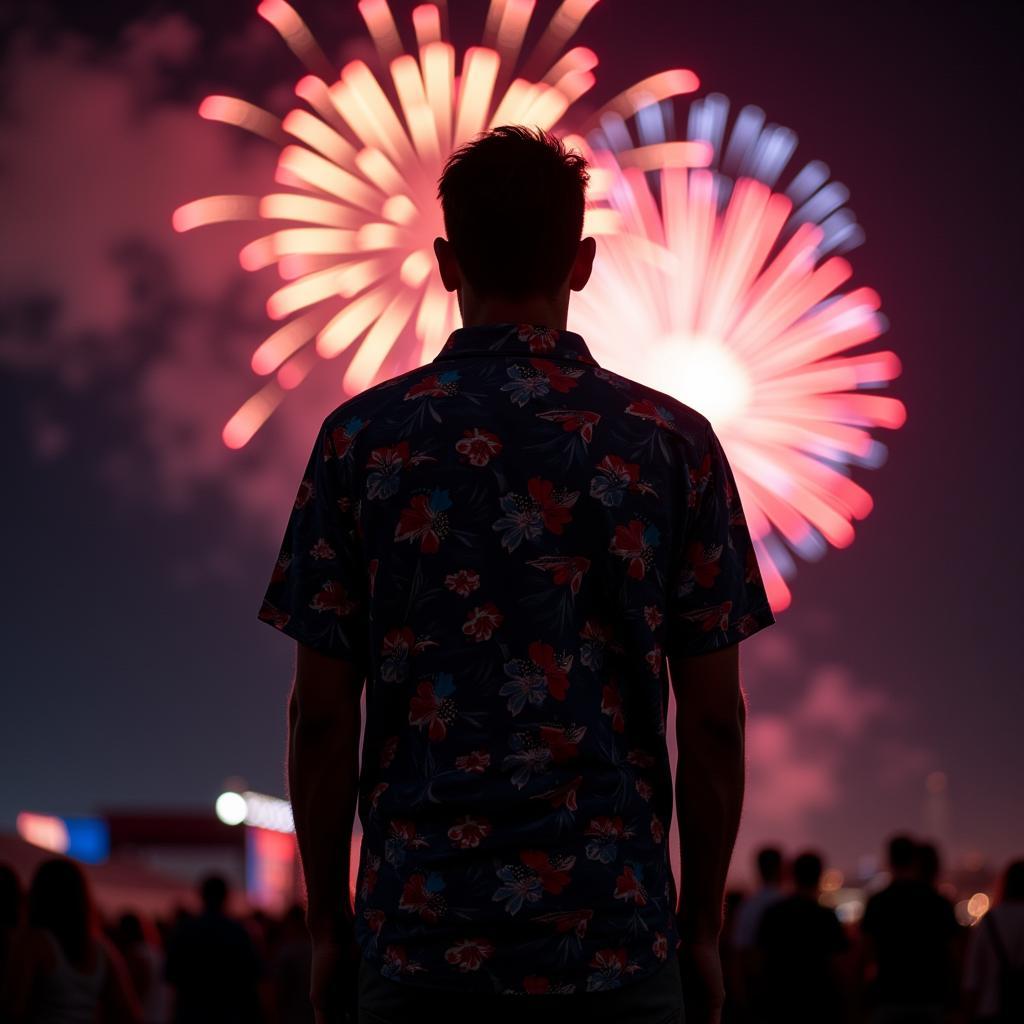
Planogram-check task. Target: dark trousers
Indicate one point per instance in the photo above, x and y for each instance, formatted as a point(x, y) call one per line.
point(654, 1000)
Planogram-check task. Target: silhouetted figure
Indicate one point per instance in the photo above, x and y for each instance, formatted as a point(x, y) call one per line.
point(12, 899)
point(748, 919)
point(290, 970)
point(517, 551)
point(213, 965)
point(65, 971)
point(994, 974)
point(909, 933)
point(799, 941)
point(144, 958)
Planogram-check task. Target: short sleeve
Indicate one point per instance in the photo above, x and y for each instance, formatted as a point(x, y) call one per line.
point(318, 590)
point(716, 596)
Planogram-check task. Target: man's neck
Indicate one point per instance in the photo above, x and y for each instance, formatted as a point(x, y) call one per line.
point(541, 312)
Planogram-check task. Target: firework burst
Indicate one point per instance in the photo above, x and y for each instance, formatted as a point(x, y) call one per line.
point(362, 159)
point(734, 291)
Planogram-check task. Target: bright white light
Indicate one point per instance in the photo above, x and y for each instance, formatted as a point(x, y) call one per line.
point(703, 373)
point(231, 808)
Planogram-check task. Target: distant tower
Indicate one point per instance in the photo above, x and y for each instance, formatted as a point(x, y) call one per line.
point(937, 825)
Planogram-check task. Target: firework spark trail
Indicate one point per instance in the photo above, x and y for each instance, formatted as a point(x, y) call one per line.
point(363, 158)
point(737, 285)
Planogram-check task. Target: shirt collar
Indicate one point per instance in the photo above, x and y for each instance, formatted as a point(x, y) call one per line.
point(515, 339)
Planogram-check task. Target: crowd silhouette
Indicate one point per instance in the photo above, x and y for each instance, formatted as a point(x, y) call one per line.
point(786, 955)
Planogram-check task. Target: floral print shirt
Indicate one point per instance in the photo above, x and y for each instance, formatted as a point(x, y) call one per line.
point(509, 542)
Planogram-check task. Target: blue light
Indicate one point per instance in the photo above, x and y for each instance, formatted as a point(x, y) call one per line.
point(88, 839)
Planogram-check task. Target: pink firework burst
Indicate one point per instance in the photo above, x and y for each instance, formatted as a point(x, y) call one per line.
point(361, 160)
point(731, 295)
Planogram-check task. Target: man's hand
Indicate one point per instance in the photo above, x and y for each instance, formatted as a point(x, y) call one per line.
point(334, 980)
point(700, 966)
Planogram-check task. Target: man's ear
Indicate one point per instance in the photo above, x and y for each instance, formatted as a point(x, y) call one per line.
point(451, 276)
point(583, 265)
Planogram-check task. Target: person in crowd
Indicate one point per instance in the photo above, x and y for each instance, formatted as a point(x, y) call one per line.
point(140, 946)
point(65, 970)
point(993, 984)
point(910, 937)
point(799, 943)
point(768, 863)
point(290, 970)
point(12, 900)
point(213, 965)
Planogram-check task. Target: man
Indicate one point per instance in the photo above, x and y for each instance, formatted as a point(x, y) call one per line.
point(748, 919)
point(910, 943)
point(511, 545)
point(213, 964)
point(799, 942)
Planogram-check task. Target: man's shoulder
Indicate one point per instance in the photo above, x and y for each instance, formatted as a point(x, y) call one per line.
point(664, 412)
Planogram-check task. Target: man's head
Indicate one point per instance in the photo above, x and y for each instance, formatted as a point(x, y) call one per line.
point(807, 870)
point(213, 892)
point(513, 202)
point(902, 855)
point(769, 864)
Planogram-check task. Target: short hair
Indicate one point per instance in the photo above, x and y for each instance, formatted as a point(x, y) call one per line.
point(902, 852)
point(1013, 882)
point(513, 201)
point(213, 891)
point(807, 869)
point(769, 863)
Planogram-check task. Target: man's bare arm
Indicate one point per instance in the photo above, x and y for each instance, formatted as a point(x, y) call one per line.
point(710, 722)
point(323, 783)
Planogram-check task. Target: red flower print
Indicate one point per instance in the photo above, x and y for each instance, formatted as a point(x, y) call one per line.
point(563, 795)
point(629, 887)
point(321, 549)
point(698, 481)
point(433, 386)
point(717, 616)
point(482, 622)
point(463, 582)
point(333, 598)
point(703, 560)
point(387, 751)
point(646, 409)
point(561, 378)
point(417, 897)
point(474, 761)
point(540, 339)
point(469, 954)
point(573, 419)
point(433, 709)
point(478, 446)
point(639, 757)
point(555, 675)
point(305, 492)
point(268, 613)
point(554, 505)
point(425, 517)
point(564, 745)
point(553, 872)
point(564, 569)
point(653, 658)
point(611, 704)
point(653, 616)
point(568, 921)
point(657, 829)
point(468, 832)
point(630, 543)
point(280, 568)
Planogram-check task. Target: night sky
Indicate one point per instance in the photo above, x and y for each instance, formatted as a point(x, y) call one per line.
point(137, 547)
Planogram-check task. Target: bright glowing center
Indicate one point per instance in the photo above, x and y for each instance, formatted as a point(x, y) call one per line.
point(702, 373)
